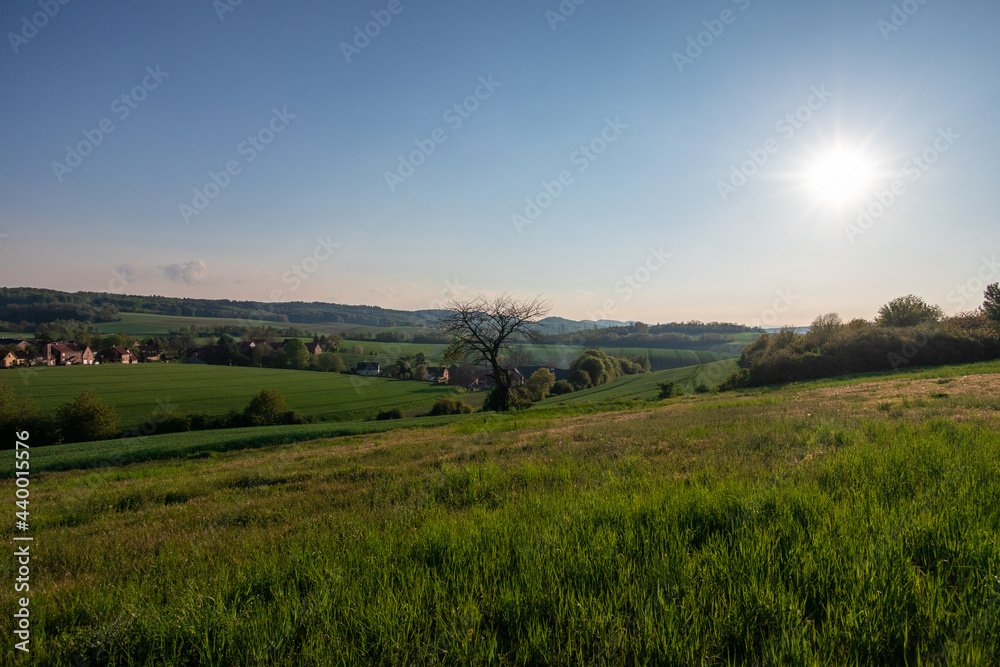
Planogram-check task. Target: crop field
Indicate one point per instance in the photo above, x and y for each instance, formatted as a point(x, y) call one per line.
point(834, 523)
point(646, 385)
point(139, 391)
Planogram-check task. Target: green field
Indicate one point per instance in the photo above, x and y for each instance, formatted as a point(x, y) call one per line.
point(144, 325)
point(646, 385)
point(831, 523)
point(138, 391)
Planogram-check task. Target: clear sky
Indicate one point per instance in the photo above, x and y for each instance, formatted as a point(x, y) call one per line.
point(274, 151)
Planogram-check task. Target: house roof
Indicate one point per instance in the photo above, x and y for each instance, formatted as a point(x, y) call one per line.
point(67, 348)
point(368, 366)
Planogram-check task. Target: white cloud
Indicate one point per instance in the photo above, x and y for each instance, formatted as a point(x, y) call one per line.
point(191, 273)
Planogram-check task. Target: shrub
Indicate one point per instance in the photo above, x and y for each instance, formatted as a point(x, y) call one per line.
point(450, 406)
point(580, 379)
point(562, 387)
point(394, 413)
point(267, 408)
point(702, 388)
point(668, 389)
point(860, 347)
point(87, 418)
point(540, 384)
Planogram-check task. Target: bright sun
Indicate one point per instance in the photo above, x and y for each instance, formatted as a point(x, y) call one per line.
point(840, 176)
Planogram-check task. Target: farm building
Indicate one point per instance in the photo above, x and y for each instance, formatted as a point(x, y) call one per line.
point(437, 373)
point(13, 359)
point(67, 354)
point(368, 368)
point(122, 355)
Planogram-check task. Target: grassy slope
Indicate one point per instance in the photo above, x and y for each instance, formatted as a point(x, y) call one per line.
point(833, 523)
point(138, 391)
point(645, 385)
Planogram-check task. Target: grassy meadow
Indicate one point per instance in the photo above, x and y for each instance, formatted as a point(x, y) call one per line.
point(139, 392)
point(834, 523)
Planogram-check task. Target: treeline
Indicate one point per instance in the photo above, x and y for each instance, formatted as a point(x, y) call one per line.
point(907, 333)
point(590, 369)
point(686, 336)
point(22, 309)
point(28, 306)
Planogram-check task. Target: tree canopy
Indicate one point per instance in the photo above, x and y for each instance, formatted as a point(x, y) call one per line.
point(907, 311)
point(485, 330)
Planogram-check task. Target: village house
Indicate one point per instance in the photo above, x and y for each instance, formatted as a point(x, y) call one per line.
point(437, 374)
point(19, 344)
point(12, 359)
point(122, 355)
point(314, 348)
point(148, 354)
point(368, 368)
point(67, 354)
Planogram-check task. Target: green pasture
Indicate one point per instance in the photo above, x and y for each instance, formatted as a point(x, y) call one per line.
point(848, 522)
point(140, 391)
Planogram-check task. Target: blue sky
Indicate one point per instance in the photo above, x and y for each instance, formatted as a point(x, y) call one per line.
point(642, 125)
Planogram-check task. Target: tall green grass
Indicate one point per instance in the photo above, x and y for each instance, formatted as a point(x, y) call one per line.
point(777, 529)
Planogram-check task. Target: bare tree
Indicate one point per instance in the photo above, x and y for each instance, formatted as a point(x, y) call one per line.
point(487, 330)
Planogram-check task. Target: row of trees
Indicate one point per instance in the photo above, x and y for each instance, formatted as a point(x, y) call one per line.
point(906, 332)
point(35, 305)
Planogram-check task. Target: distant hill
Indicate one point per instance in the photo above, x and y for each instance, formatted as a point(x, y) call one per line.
point(24, 308)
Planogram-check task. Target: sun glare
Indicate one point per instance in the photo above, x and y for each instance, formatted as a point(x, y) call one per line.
point(840, 176)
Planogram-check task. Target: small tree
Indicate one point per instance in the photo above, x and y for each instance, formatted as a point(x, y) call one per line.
point(992, 305)
point(450, 406)
point(267, 408)
point(87, 418)
point(562, 387)
point(907, 311)
point(487, 330)
point(419, 372)
point(297, 353)
point(668, 389)
point(540, 383)
point(580, 379)
point(330, 362)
